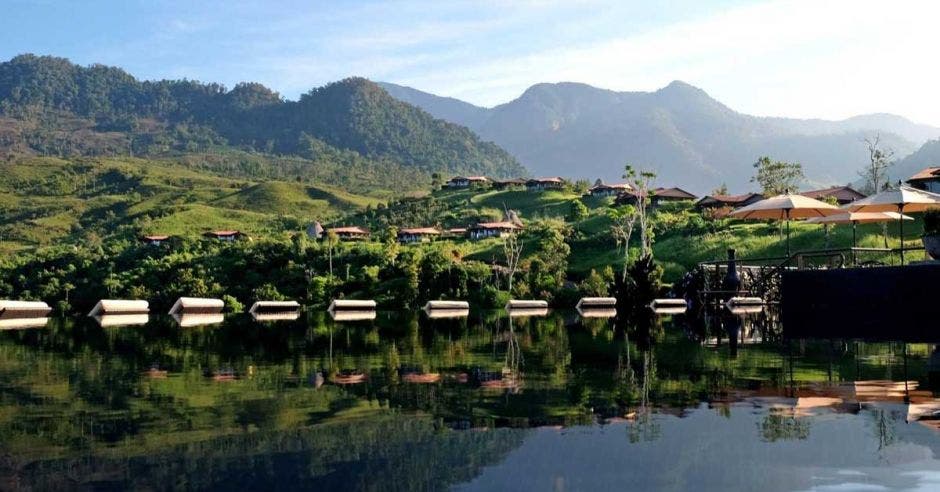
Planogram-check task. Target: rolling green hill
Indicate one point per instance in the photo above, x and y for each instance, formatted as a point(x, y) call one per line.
point(46, 201)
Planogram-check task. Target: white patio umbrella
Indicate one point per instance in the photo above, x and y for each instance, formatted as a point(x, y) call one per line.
point(902, 199)
point(786, 207)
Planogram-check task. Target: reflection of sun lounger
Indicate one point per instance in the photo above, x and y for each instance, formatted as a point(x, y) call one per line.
point(22, 323)
point(421, 378)
point(592, 312)
point(520, 307)
point(282, 316)
point(352, 315)
point(447, 313)
point(348, 378)
point(189, 320)
point(112, 320)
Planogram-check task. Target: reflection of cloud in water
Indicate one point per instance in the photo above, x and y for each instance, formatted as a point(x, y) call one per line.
point(707, 451)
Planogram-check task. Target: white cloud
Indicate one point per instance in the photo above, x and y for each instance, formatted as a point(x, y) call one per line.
point(794, 57)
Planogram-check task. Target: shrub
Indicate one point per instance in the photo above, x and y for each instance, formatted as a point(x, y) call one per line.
point(932, 221)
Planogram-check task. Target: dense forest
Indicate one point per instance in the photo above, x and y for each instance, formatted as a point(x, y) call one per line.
point(50, 106)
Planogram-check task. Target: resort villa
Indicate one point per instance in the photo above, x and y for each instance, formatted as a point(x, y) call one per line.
point(660, 195)
point(227, 236)
point(841, 194)
point(927, 180)
point(349, 233)
point(417, 234)
point(602, 189)
point(509, 183)
point(466, 181)
point(154, 240)
point(728, 201)
point(484, 230)
point(539, 184)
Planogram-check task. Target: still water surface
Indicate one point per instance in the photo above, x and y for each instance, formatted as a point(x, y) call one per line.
point(485, 403)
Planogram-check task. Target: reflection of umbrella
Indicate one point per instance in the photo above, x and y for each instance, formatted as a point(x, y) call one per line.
point(786, 207)
point(856, 218)
point(902, 199)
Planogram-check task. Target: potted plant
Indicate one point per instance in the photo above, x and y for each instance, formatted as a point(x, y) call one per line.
point(932, 233)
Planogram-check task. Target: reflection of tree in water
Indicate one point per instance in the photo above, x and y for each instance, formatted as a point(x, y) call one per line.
point(883, 424)
point(86, 387)
point(393, 453)
point(635, 386)
point(777, 426)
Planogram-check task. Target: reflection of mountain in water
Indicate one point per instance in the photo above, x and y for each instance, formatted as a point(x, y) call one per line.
point(386, 453)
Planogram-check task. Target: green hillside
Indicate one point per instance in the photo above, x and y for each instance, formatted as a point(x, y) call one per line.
point(48, 201)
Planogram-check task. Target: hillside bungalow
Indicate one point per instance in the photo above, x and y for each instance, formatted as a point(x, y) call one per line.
point(728, 201)
point(154, 240)
point(671, 195)
point(466, 181)
point(492, 229)
point(842, 194)
point(456, 231)
point(539, 184)
point(608, 189)
point(927, 180)
point(507, 184)
point(417, 234)
point(350, 233)
point(224, 235)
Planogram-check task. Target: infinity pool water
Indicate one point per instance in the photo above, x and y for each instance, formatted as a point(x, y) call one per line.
point(404, 402)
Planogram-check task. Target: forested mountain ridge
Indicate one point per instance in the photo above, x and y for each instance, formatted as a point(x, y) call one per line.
point(686, 136)
point(51, 106)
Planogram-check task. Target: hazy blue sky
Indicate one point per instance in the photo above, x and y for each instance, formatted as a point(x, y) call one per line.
point(811, 58)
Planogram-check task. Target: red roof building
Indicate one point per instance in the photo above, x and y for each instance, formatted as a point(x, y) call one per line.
point(604, 189)
point(734, 201)
point(417, 234)
point(350, 232)
point(492, 229)
point(155, 240)
point(224, 235)
point(927, 180)
point(842, 194)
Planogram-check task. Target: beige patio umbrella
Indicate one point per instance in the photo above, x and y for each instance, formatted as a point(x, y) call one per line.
point(786, 207)
point(856, 218)
point(902, 199)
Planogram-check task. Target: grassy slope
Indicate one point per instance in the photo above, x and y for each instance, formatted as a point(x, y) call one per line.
point(47, 200)
point(677, 252)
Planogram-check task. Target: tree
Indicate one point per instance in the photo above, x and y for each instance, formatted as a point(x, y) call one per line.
point(875, 172)
point(721, 190)
point(622, 221)
point(777, 177)
point(512, 249)
point(578, 211)
point(331, 240)
point(640, 182)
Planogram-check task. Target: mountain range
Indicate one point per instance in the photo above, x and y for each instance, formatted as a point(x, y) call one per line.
point(50, 106)
point(687, 137)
